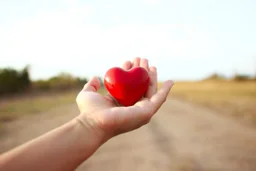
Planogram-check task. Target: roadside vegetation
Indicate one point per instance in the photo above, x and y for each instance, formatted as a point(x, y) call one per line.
point(233, 97)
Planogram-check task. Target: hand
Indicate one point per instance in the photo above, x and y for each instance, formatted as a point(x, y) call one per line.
point(104, 114)
point(101, 118)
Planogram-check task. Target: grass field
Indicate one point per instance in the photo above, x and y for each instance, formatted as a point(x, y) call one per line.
point(232, 98)
point(21, 106)
point(11, 109)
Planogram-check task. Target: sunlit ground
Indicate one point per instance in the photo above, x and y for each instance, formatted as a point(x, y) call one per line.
point(229, 97)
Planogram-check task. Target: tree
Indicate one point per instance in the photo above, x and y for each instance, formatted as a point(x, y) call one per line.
point(12, 81)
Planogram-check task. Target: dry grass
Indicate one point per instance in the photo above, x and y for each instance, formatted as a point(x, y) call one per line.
point(233, 98)
point(11, 109)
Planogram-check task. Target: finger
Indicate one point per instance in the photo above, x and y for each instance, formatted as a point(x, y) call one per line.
point(144, 63)
point(152, 89)
point(127, 65)
point(139, 114)
point(92, 85)
point(136, 62)
point(160, 97)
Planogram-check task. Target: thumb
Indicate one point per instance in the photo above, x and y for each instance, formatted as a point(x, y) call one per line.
point(92, 85)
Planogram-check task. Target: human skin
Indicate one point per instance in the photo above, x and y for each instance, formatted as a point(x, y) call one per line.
point(101, 118)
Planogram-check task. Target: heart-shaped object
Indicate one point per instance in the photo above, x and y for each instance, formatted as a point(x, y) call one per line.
point(127, 86)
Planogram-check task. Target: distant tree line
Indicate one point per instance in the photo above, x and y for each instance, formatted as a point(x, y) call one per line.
point(62, 81)
point(14, 81)
point(236, 77)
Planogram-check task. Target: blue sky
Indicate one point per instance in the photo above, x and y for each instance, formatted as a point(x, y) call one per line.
point(184, 39)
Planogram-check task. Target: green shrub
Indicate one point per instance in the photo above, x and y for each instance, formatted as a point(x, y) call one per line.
point(62, 81)
point(13, 81)
point(41, 85)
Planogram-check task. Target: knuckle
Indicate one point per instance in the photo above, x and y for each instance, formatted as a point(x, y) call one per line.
point(78, 98)
point(146, 121)
point(153, 110)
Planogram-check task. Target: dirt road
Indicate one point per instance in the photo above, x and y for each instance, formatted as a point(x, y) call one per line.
point(180, 137)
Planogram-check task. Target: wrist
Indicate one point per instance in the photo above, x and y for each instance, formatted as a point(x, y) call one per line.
point(91, 136)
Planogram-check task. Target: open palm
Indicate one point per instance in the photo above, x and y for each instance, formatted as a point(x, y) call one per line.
point(104, 113)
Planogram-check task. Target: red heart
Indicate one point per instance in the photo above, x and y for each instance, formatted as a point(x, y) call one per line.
point(127, 86)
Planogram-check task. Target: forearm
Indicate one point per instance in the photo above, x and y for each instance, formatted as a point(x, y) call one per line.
point(61, 149)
